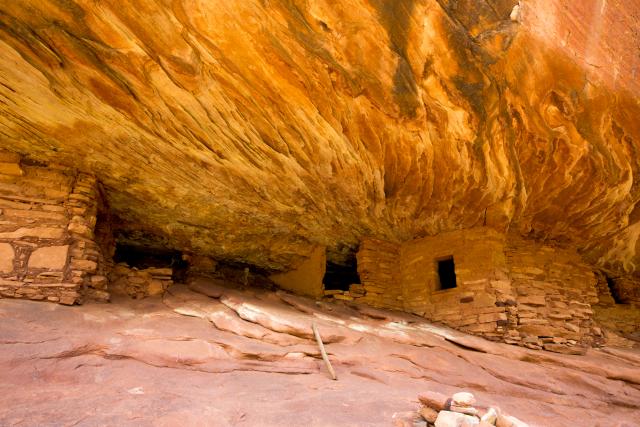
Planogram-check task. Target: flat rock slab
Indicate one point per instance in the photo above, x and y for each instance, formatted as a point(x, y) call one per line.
point(194, 360)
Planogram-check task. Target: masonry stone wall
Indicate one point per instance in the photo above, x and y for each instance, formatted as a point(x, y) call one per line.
point(377, 263)
point(478, 303)
point(305, 278)
point(627, 289)
point(555, 291)
point(47, 220)
point(508, 288)
point(140, 283)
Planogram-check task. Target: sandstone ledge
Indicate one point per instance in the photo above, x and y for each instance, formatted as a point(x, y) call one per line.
point(249, 357)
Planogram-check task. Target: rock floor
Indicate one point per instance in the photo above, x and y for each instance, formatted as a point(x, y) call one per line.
point(214, 356)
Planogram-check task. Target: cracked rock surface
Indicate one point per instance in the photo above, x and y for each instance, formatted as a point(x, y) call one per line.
point(247, 357)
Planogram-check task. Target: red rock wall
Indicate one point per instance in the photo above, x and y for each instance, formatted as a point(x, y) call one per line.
point(600, 35)
point(47, 220)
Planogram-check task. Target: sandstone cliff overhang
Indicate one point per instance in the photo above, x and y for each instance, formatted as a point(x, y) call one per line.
point(254, 131)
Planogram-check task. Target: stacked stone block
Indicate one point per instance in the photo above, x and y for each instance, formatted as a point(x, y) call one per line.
point(602, 289)
point(555, 291)
point(85, 265)
point(377, 267)
point(508, 288)
point(139, 284)
point(627, 289)
point(478, 304)
point(47, 215)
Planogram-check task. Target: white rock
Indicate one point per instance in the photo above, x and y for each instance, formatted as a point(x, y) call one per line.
point(469, 410)
point(455, 419)
point(491, 416)
point(515, 13)
point(463, 398)
point(136, 390)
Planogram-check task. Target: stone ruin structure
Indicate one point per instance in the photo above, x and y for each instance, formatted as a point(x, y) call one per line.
point(50, 246)
point(474, 163)
point(473, 166)
point(504, 287)
point(57, 244)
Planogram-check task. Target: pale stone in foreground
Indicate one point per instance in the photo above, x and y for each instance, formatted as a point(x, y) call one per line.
point(469, 410)
point(463, 399)
point(455, 419)
point(491, 416)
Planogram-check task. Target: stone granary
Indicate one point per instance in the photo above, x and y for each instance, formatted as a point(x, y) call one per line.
point(474, 163)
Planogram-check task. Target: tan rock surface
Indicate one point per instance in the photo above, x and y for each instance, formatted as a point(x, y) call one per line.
point(178, 362)
point(254, 131)
point(7, 256)
point(51, 257)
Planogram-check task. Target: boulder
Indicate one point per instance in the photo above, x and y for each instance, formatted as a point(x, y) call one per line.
point(429, 414)
point(463, 399)
point(455, 419)
point(490, 416)
point(469, 410)
point(434, 400)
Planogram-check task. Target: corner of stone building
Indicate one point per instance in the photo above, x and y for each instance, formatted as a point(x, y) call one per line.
point(554, 293)
point(377, 265)
point(92, 243)
point(47, 235)
point(306, 277)
point(508, 288)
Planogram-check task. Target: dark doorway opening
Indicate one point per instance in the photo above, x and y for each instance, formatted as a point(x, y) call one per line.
point(446, 273)
point(613, 289)
point(142, 257)
point(341, 276)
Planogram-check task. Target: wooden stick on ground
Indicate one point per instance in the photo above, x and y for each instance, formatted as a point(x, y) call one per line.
point(316, 333)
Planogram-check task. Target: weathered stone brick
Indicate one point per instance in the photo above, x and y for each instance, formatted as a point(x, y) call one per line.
point(49, 257)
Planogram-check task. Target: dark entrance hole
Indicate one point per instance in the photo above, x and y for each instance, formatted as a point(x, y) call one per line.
point(613, 289)
point(446, 273)
point(341, 276)
point(142, 257)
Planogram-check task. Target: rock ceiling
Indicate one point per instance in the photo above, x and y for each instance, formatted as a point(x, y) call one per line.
point(252, 130)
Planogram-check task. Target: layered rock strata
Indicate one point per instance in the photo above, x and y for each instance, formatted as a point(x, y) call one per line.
point(254, 131)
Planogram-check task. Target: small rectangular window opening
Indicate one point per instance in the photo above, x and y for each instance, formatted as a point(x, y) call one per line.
point(446, 273)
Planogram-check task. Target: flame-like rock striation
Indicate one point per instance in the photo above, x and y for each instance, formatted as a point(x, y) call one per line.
point(254, 130)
